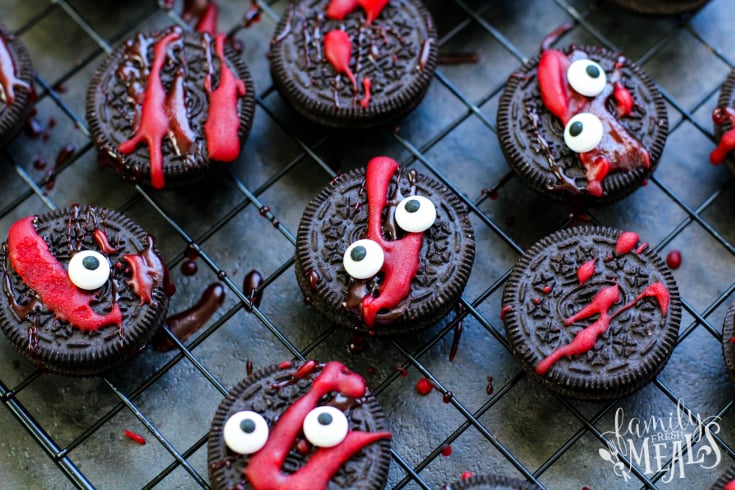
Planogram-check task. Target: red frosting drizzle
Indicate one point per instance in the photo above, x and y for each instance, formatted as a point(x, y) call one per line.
point(720, 116)
point(600, 305)
point(31, 258)
point(338, 50)
point(8, 79)
point(366, 85)
point(619, 150)
point(154, 118)
point(401, 256)
point(264, 468)
point(101, 238)
point(148, 270)
point(626, 242)
point(223, 121)
point(208, 19)
point(586, 271)
point(339, 9)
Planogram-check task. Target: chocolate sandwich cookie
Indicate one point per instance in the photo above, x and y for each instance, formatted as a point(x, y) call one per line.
point(661, 7)
point(582, 125)
point(354, 64)
point(723, 118)
point(591, 312)
point(726, 481)
point(728, 341)
point(491, 482)
point(16, 85)
point(84, 289)
point(305, 425)
point(384, 250)
point(163, 107)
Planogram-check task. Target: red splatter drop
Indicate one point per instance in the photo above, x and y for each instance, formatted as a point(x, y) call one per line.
point(371, 370)
point(506, 309)
point(466, 475)
point(447, 397)
point(546, 289)
point(402, 371)
point(489, 388)
point(424, 386)
point(303, 447)
point(641, 248)
point(135, 437)
point(586, 271)
point(248, 367)
point(189, 267)
point(446, 450)
point(285, 365)
point(673, 259)
point(626, 242)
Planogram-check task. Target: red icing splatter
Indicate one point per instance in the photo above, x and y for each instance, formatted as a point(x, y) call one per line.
point(546, 289)
point(600, 305)
point(104, 243)
point(626, 242)
point(424, 386)
point(401, 256)
point(641, 248)
point(31, 258)
point(149, 272)
point(135, 437)
point(402, 371)
point(586, 271)
point(505, 310)
point(489, 389)
point(223, 121)
point(730, 485)
point(466, 475)
point(673, 259)
point(264, 468)
point(338, 51)
point(154, 121)
point(366, 85)
point(720, 116)
point(208, 19)
point(285, 365)
point(339, 9)
point(618, 150)
point(8, 79)
point(446, 450)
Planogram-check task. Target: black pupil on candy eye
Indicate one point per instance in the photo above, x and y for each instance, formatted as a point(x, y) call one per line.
point(358, 253)
point(576, 128)
point(90, 262)
point(324, 419)
point(247, 426)
point(413, 205)
point(593, 71)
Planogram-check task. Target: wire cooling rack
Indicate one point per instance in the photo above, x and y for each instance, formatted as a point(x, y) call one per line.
point(484, 415)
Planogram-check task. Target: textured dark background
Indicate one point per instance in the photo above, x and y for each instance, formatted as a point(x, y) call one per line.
point(75, 427)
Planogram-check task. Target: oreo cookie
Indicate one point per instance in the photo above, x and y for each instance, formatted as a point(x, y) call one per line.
point(726, 481)
point(491, 482)
point(723, 118)
point(354, 65)
point(302, 425)
point(384, 250)
point(591, 312)
point(661, 7)
point(16, 85)
point(728, 341)
point(84, 289)
point(166, 108)
point(582, 125)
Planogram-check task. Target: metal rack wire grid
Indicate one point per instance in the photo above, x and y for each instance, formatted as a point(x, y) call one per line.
point(66, 433)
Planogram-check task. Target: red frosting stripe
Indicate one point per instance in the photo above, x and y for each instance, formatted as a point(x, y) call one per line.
point(401, 256)
point(31, 258)
point(264, 468)
point(727, 142)
point(154, 119)
point(338, 50)
point(8, 79)
point(339, 9)
point(223, 122)
point(208, 19)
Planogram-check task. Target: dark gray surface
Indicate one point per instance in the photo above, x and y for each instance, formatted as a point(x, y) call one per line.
point(520, 427)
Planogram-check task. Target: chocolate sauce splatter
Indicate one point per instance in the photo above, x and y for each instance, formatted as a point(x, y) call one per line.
point(184, 324)
point(458, 58)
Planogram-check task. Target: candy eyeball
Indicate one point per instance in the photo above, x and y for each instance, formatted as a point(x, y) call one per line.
point(363, 259)
point(583, 132)
point(89, 270)
point(415, 214)
point(586, 77)
point(325, 426)
point(245, 432)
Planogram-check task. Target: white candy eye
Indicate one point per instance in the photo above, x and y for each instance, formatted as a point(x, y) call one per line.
point(363, 259)
point(89, 270)
point(325, 426)
point(583, 132)
point(586, 77)
point(245, 432)
point(415, 214)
